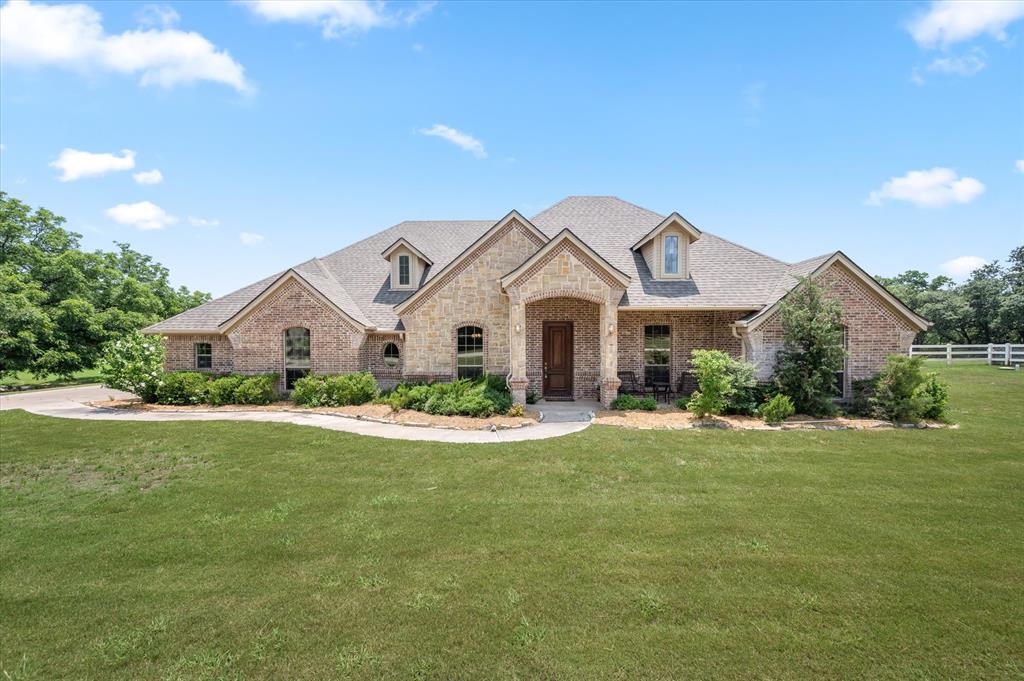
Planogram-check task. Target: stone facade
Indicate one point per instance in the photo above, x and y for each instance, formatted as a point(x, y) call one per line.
point(585, 317)
point(469, 295)
point(873, 330)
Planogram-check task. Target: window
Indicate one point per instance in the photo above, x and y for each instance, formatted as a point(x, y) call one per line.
point(391, 355)
point(671, 254)
point(839, 389)
point(204, 356)
point(469, 352)
point(657, 354)
point(296, 355)
point(403, 270)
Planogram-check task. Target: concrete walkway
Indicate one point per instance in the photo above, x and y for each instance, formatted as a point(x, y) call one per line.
point(69, 403)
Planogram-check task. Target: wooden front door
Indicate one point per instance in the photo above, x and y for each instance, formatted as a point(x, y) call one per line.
point(558, 360)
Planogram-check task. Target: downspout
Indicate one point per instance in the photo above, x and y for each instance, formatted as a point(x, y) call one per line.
point(743, 343)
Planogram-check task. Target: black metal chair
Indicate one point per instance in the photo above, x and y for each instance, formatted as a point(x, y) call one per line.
point(629, 385)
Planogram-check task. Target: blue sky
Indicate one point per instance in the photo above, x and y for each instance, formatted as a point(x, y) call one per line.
point(891, 131)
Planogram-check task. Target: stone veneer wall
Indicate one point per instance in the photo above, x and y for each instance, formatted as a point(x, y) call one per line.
point(471, 295)
point(873, 330)
point(180, 353)
point(689, 331)
point(258, 341)
point(586, 346)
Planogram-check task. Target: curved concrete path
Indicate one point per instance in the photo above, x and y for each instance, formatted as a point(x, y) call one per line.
point(69, 403)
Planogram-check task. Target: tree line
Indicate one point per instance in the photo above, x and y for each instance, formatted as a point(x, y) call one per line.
point(987, 308)
point(59, 304)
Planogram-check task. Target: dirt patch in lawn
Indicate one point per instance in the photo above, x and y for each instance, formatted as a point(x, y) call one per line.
point(108, 477)
point(677, 419)
point(369, 412)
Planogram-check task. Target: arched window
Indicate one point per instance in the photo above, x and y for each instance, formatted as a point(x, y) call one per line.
point(391, 355)
point(296, 355)
point(469, 352)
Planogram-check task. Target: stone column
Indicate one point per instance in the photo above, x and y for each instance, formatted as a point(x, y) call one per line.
point(518, 381)
point(609, 335)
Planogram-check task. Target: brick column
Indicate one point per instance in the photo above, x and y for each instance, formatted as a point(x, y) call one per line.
point(608, 332)
point(518, 381)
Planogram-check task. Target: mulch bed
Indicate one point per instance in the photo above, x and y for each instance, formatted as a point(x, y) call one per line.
point(677, 419)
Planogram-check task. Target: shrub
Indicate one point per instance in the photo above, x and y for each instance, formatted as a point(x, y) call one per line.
point(715, 382)
point(625, 402)
point(812, 349)
point(259, 389)
point(335, 391)
point(777, 409)
point(182, 387)
point(310, 391)
point(483, 396)
point(134, 364)
point(516, 411)
point(222, 390)
point(933, 395)
point(863, 390)
point(647, 404)
point(896, 396)
point(531, 397)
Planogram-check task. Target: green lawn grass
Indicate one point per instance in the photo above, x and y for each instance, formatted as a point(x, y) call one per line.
point(272, 551)
point(22, 378)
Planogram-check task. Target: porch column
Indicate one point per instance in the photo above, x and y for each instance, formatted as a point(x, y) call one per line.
point(609, 335)
point(518, 381)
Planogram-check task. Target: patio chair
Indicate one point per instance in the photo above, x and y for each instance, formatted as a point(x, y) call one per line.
point(629, 385)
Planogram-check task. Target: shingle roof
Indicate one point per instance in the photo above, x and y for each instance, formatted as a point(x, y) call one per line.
point(356, 278)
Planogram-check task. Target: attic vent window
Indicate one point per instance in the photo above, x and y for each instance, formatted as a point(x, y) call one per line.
point(671, 254)
point(403, 270)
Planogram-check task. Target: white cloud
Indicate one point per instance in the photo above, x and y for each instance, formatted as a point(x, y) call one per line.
point(1019, 165)
point(250, 238)
point(961, 268)
point(148, 177)
point(142, 215)
point(459, 139)
point(947, 22)
point(929, 188)
point(157, 15)
point(967, 65)
point(202, 222)
point(77, 164)
point(337, 17)
point(72, 37)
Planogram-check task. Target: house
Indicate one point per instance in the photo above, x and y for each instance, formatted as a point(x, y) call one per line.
point(559, 303)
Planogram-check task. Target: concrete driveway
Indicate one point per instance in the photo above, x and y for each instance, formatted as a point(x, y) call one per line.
point(69, 403)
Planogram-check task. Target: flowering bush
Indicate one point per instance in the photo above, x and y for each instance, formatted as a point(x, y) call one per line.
point(134, 364)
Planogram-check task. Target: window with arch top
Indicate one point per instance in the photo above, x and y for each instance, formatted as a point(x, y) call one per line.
point(391, 355)
point(296, 355)
point(469, 352)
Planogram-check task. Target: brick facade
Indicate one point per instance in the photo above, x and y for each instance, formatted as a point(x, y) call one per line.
point(180, 353)
point(873, 330)
point(586, 350)
point(688, 331)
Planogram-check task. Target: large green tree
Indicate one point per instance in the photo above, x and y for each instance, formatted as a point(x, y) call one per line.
point(60, 304)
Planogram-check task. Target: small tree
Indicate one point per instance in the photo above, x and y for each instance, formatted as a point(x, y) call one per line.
point(715, 382)
point(134, 363)
point(812, 349)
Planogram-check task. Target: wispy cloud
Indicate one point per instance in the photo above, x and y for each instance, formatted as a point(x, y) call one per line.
point(143, 215)
point(72, 36)
point(148, 177)
point(462, 140)
point(337, 18)
point(947, 22)
point(75, 164)
point(965, 65)
point(961, 268)
point(202, 222)
point(250, 238)
point(1019, 166)
point(928, 188)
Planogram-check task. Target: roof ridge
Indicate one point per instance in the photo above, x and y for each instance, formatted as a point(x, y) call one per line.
point(813, 257)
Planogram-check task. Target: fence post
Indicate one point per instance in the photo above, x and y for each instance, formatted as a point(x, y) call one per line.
point(949, 353)
point(1009, 355)
point(989, 353)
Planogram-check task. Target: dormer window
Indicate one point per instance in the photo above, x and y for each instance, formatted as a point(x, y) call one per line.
point(408, 265)
point(403, 270)
point(671, 255)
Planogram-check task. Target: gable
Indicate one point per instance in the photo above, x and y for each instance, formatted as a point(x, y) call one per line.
point(287, 280)
point(569, 251)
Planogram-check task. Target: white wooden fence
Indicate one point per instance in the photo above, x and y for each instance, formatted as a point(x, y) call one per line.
point(993, 353)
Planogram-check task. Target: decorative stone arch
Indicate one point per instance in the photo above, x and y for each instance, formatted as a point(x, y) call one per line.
point(565, 293)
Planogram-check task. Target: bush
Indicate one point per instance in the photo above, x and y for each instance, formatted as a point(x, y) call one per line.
point(863, 390)
point(479, 397)
point(812, 349)
point(715, 382)
point(259, 389)
point(222, 390)
point(777, 409)
point(134, 364)
point(335, 391)
point(516, 411)
point(896, 389)
point(625, 402)
point(531, 397)
point(933, 396)
point(182, 387)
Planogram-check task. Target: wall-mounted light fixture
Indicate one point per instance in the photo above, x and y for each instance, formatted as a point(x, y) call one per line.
point(611, 328)
point(518, 328)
